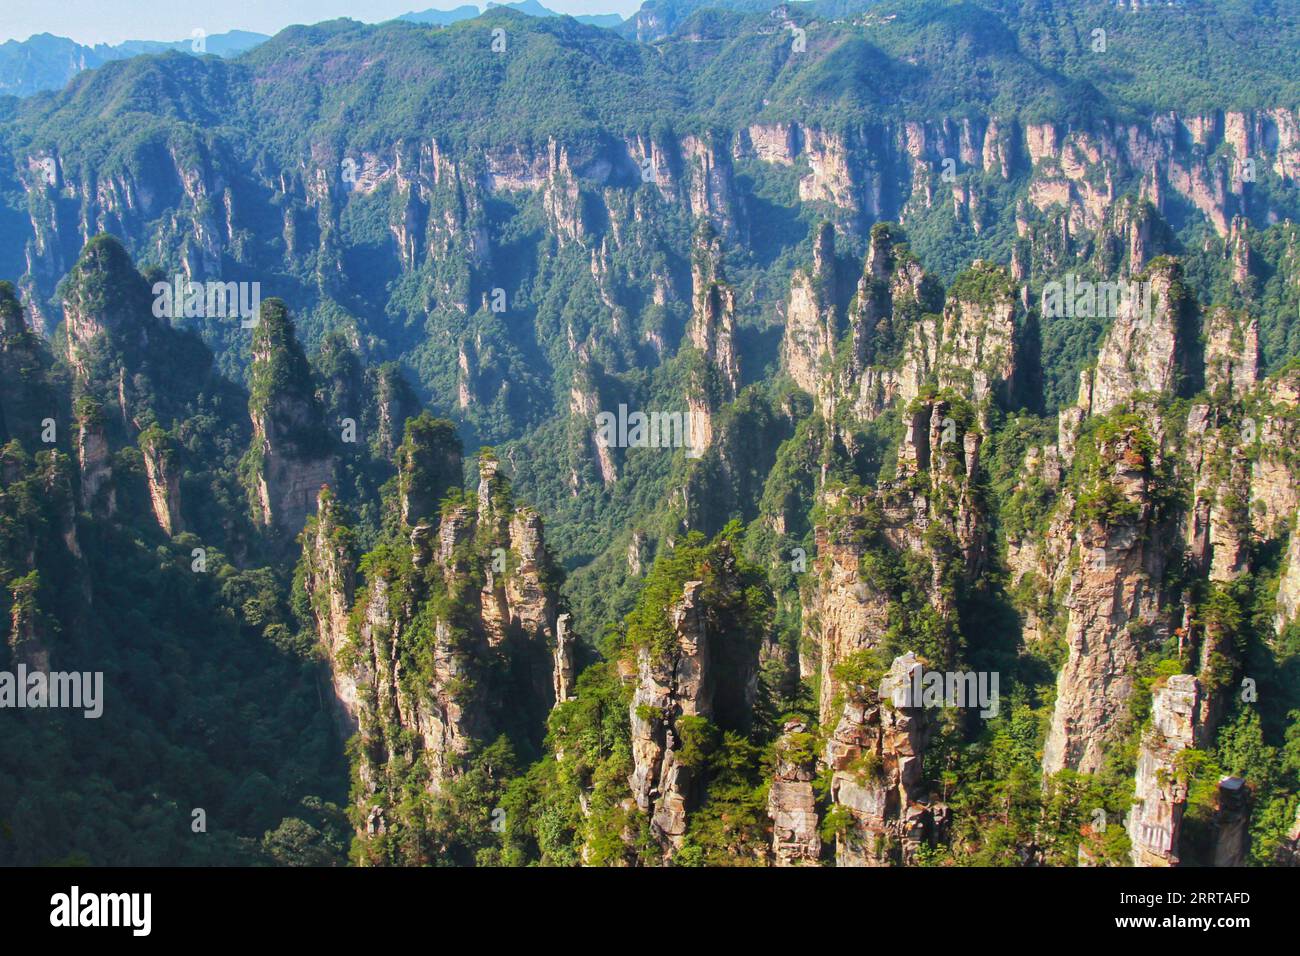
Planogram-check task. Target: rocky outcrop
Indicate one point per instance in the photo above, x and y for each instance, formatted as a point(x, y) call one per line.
point(94, 457)
point(1147, 346)
point(163, 474)
point(975, 350)
point(875, 755)
point(26, 400)
point(106, 309)
point(637, 553)
point(1231, 822)
point(290, 459)
point(428, 466)
point(810, 325)
point(564, 676)
point(843, 614)
point(330, 584)
point(584, 406)
point(1231, 354)
point(1160, 797)
point(1218, 524)
point(1288, 587)
point(791, 803)
point(712, 329)
point(931, 508)
point(893, 294)
point(1275, 423)
point(1132, 235)
point(449, 640)
point(27, 645)
point(671, 684)
point(532, 600)
point(1114, 604)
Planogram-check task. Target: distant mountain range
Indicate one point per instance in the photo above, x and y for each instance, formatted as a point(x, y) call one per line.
point(48, 62)
point(530, 7)
point(629, 417)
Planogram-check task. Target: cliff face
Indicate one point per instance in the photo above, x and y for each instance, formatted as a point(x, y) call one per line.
point(1161, 787)
point(199, 200)
point(1147, 348)
point(26, 401)
point(163, 473)
point(886, 317)
point(105, 308)
point(875, 754)
point(584, 406)
point(450, 638)
point(136, 385)
point(27, 645)
point(330, 585)
point(290, 459)
point(929, 514)
point(712, 329)
point(1288, 589)
point(547, 266)
point(811, 328)
point(691, 664)
point(671, 685)
point(791, 803)
point(1114, 603)
point(899, 342)
point(843, 613)
point(95, 459)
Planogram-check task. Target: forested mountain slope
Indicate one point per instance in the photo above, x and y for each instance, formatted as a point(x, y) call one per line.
point(867, 257)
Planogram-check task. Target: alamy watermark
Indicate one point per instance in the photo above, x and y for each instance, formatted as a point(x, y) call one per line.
point(74, 909)
point(182, 298)
point(652, 430)
point(40, 690)
point(949, 689)
point(1082, 298)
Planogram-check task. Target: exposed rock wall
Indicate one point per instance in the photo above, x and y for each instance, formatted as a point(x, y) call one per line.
point(330, 583)
point(712, 329)
point(98, 495)
point(875, 754)
point(163, 474)
point(811, 329)
point(670, 684)
point(1114, 610)
point(455, 622)
point(290, 459)
point(1155, 822)
point(1146, 349)
point(791, 803)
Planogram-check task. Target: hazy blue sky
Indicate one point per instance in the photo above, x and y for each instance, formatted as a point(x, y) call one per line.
point(112, 21)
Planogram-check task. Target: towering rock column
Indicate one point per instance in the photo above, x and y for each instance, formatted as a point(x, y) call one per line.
point(26, 645)
point(330, 583)
point(163, 473)
point(98, 494)
point(875, 755)
point(810, 322)
point(711, 330)
point(842, 614)
point(564, 677)
point(671, 684)
point(1112, 601)
point(1146, 348)
point(791, 804)
point(290, 457)
point(1160, 795)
